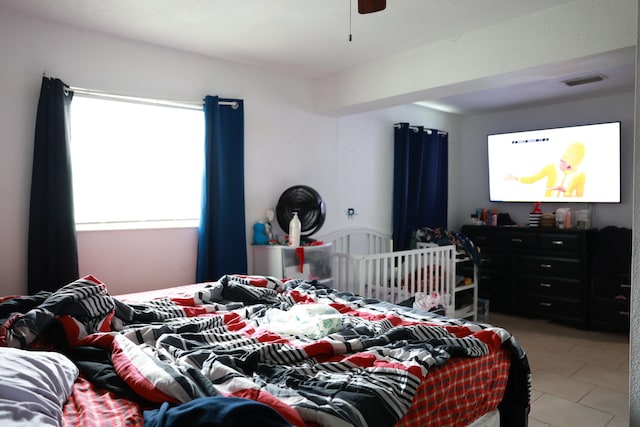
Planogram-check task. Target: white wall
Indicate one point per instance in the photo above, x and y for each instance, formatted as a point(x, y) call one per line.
point(473, 172)
point(286, 143)
point(365, 150)
point(566, 38)
point(347, 159)
point(634, 330)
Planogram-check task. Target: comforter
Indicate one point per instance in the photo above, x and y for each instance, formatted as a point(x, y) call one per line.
point(315, 355)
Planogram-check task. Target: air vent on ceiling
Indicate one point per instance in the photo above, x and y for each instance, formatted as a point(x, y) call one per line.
point(584, 80)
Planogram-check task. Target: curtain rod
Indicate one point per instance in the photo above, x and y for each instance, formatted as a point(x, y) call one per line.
point(416, 129)
point(179, 104)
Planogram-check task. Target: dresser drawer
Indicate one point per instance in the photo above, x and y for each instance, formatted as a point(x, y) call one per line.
point(496, 287)
point(542, 306)
point(501, 238)
point(551, 266)
point(551, 287)
point(494, 279)
point(610, 311)
point(521, 240)
point(613, 286)
point(560, 242)
point(305, 262)
point(485, 238)
point(495, 261)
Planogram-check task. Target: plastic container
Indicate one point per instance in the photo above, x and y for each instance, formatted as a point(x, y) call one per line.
point(294, 230)
point(560, 216)
point(583, 220)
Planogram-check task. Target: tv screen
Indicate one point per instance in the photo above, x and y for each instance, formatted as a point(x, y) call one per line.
point(566, 165)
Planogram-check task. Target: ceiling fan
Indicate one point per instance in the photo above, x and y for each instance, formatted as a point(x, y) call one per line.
point(370, 6)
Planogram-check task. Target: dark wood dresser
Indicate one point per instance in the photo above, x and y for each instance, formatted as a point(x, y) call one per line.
point(611, 279)
point(538, 272)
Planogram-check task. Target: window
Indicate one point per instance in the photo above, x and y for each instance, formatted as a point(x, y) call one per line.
point(135, 163)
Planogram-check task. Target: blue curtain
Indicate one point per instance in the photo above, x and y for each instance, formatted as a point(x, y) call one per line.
point(52, 245)
point(222, 233)
point(420, 181)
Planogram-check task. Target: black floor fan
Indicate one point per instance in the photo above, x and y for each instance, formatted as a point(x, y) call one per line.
point(307, 203)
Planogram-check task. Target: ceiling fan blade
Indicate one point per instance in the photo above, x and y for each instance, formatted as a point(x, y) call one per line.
point(370, 6)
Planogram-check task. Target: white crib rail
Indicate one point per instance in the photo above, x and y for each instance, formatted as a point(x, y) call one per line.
point(365, 264)
point(361, 241)
point(397, 276)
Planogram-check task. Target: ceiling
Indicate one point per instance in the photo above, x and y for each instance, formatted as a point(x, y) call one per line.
point(311, 38)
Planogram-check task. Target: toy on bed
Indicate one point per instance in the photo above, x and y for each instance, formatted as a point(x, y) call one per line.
point(145, 358)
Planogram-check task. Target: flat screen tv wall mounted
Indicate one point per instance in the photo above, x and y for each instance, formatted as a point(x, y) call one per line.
point(565, 165)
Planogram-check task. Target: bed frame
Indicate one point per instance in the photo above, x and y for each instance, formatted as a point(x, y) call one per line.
point(365, 264)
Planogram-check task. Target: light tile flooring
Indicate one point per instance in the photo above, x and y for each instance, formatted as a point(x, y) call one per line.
point(580, 378)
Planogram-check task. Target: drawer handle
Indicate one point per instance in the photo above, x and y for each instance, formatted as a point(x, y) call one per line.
point(545, 304)
point(516, 240)
point(545, 285)
point(625, 285)
point(623, 313)
point(545, 265)
point(485, 260)
point(557, 242)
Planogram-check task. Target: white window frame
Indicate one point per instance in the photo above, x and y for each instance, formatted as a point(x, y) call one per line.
point(113, 159)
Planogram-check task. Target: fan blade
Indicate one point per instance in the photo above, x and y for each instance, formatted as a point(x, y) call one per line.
point(370, 6)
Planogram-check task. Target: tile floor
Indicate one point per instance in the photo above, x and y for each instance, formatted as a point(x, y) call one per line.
point(580, 378)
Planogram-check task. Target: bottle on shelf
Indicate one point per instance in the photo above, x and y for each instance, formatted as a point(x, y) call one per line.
point(294, 230)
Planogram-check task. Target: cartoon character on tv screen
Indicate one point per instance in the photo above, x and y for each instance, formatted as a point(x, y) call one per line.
point(562, 179)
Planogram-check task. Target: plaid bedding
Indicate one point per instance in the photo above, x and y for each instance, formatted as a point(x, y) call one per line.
point(439, 401)
point(459, 392)
point(218, 343)
point(90, 406)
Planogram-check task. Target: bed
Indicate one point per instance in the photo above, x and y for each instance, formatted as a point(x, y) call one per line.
point(251, 349)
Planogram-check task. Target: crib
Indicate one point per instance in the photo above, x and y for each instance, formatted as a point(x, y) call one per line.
point(365, 264)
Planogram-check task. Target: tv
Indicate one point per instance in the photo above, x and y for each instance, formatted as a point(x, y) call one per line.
point(567, 164)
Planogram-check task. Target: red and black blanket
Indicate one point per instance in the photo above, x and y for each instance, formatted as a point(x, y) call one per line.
point(315, 355)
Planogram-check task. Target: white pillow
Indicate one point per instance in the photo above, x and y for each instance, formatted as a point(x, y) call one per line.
point(34, 386)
